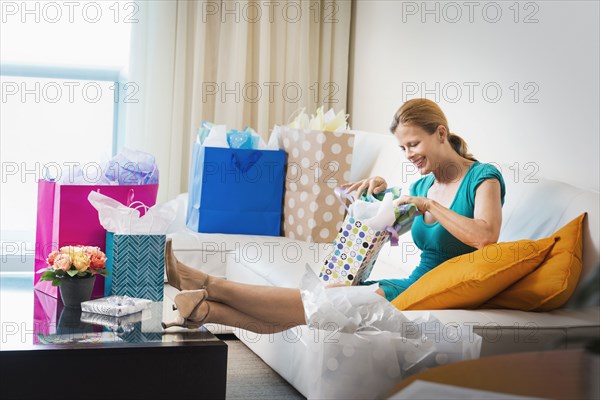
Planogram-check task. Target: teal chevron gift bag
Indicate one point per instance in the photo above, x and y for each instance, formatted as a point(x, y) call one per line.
point(136, 264)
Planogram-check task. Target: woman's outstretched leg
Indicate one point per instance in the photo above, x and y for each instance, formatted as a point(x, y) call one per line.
point(223, 314)
point(263, 303)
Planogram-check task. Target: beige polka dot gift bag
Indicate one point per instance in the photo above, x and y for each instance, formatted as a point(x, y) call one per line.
point(317, 162)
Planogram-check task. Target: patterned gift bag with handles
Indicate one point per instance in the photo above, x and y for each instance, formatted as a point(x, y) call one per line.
point(357, 245)
point(355, 251)
point(318, 161)
point(65, 217)
point(136, 264)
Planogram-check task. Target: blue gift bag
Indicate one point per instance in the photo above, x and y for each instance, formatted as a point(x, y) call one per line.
point(236, 191)
point(137, 266)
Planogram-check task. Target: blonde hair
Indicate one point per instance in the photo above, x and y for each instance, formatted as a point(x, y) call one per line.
point(427, 115)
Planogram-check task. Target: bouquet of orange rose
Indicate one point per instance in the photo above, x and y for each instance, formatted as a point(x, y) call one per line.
point(74, 262)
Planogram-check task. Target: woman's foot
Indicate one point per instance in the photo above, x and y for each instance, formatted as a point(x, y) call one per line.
point(179, 275)
point(202, 313)
point(187, 301)
point(192, 307)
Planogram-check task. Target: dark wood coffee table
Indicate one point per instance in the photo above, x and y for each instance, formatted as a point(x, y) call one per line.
point(47, 351)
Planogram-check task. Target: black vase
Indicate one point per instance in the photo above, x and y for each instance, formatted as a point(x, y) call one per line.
point(74, 291)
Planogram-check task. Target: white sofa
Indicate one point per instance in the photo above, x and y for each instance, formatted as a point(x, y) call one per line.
point(534, 208)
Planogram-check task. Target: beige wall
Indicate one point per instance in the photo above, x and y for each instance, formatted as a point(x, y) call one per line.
point(550, 126)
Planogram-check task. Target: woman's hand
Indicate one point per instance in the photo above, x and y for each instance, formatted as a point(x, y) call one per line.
point(422, 203)
point(374, 185)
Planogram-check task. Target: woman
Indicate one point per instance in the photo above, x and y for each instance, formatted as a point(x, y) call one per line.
point(460, 201)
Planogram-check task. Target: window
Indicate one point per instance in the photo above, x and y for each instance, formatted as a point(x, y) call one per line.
point(63, 87)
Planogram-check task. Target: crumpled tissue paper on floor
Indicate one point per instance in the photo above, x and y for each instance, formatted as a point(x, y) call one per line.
point(368, 346)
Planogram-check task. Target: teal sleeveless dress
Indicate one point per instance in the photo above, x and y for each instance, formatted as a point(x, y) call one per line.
point(435, 242)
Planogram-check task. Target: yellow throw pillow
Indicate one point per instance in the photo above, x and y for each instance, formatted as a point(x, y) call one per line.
point(552, 284)
point(467, 281)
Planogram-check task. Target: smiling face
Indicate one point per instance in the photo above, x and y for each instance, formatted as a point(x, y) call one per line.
point(421, 148)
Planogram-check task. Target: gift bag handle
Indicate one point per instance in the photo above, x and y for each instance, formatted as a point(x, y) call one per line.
point(393, 235)
point(343, 195)
point(137, 205)
point(130, 196)
point(249, 162)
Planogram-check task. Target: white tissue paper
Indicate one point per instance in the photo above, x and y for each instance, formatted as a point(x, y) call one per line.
point(122, 220)
point(302, 120)
point(376, 215)
point(273, 143)
point(262, 145)
point(368, 345)
point(351, 308)
point(217, 137)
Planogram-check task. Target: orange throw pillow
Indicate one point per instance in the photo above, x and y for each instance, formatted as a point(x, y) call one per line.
point(467, 281)
point(552, 284)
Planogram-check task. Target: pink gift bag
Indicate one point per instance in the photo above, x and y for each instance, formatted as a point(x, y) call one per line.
point(65, 217)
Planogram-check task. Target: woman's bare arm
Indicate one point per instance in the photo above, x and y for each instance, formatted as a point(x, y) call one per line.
point(482, 229)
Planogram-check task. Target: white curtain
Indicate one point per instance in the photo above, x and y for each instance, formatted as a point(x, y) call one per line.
point(239, 63)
